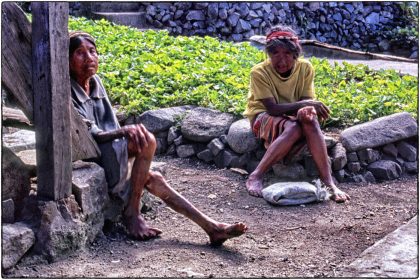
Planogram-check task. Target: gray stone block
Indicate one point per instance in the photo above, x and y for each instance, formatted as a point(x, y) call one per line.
point(339, 158)
point(161, 145)
point(352, 157)
point(411, 167)
point(369, 177)
point(368, 155)
point(185, 151)
point(330, 142)
point(216, 146)
point(62, 230)
point(240, 161)
point(19, 140)
point(353, 167)
point(7, 211)
point(390, 150)
point(171, 150)
point(28, 157)
point(206, 155)
point(385, 170)
point(379, 132)
point(340, 175)
point(89, 187)
point(17, 239)
point(223, 138)
point(203, 124)
point(291, 171)
point(224, 158)
point(358, 178)
point(407, 151)
point(179, 141)
point(161, 119)
point(173, 133)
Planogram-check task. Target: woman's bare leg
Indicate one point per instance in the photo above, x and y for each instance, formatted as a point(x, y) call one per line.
point(218, 232)
point(308, 119)
point(275, 152)
point(134, 222)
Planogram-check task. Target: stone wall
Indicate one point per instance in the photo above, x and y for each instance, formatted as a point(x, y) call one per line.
point(382, 149)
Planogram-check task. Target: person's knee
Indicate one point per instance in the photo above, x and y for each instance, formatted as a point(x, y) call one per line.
point(156, 184)
point(148, 150)
point(307, 115)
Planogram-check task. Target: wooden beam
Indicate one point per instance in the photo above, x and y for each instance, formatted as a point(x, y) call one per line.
point(15, 118)
point(16, 62)
point(16, 65)
point(51, 85)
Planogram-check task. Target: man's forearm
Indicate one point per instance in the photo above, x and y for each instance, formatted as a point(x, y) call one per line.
point(106, 136)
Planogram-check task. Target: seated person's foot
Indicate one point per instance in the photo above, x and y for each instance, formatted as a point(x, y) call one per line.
point(137, 228)
point(254, 185)
point(339, 196)
point(224, 232)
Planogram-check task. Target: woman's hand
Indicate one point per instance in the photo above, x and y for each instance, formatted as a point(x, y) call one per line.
point(321, 109)
point(138, 137)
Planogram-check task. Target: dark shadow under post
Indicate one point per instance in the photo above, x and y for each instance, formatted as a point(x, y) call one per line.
point(51, 86)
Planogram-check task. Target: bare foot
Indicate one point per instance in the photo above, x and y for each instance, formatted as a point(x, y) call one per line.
point(254, 185)
point(137, 228)
point(339, 196)
point(224, 232)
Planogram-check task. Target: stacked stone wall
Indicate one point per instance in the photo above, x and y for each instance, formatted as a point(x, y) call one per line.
point(366, 26)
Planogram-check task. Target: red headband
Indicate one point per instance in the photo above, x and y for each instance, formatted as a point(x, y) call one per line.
point(281, 35)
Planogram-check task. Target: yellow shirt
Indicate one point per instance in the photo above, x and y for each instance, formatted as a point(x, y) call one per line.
point(266, 83)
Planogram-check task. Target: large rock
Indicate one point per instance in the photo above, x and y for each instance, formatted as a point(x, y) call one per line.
point(407, 151)
point(90, 187)
point(385, 169)
point(61, 229)
point(15, 178)
point(240, 137)
point(161, 119)
point(20, 140)
point(203, 124)
point(339, 157)
point(379, 132)
point(17, 239)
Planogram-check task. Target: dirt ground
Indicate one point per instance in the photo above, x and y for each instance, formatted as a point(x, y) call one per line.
point(315, 240)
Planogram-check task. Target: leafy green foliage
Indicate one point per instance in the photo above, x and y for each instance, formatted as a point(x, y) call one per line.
point(145, 70)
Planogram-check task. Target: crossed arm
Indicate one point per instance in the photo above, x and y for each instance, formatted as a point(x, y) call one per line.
point(275, 109)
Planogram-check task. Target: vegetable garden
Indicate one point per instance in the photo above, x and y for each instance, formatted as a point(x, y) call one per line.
point(144, 70)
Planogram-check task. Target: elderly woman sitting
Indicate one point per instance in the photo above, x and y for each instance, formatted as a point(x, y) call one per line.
point(283, 112)
point(122, 145)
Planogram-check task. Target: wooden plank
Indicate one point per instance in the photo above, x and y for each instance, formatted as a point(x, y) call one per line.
point(16, 65)
point(51, 85)
point(17, 76)
point(15, 118)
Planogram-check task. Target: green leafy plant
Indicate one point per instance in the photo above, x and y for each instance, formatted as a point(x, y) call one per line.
point(144, 70)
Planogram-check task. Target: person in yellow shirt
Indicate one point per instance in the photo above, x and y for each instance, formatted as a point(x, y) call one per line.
point(282, 110)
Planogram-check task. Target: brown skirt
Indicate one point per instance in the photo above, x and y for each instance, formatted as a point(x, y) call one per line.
point(269, 128)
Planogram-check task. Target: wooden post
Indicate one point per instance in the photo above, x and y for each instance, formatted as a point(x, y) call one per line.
point(51, 85)
point(16, 76)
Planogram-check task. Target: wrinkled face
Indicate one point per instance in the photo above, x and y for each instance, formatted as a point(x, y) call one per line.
point(84, 61)
point(282, 60)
